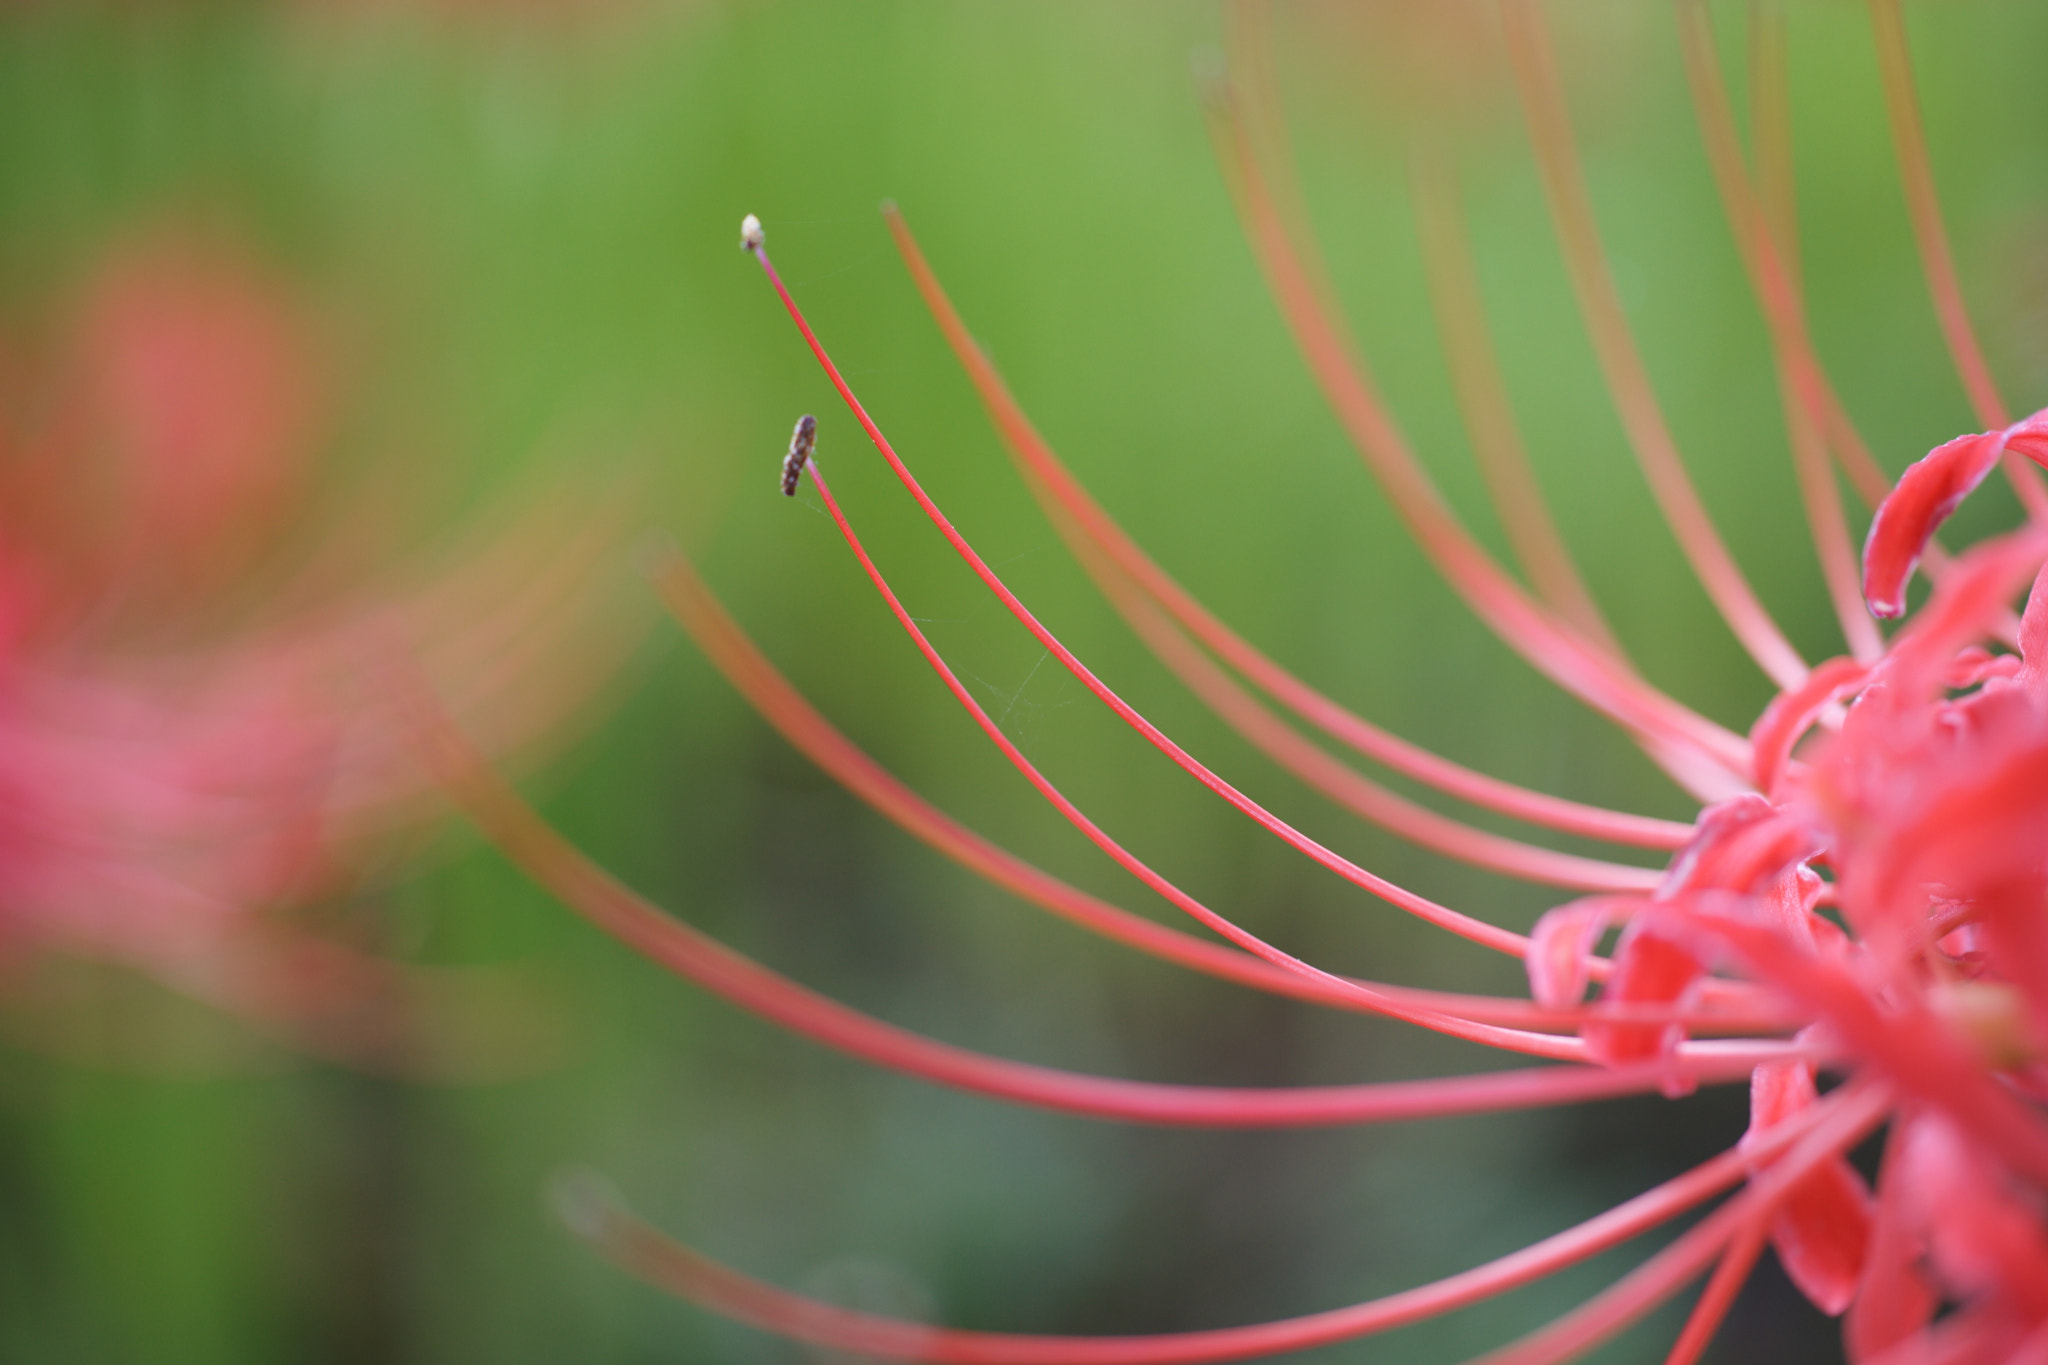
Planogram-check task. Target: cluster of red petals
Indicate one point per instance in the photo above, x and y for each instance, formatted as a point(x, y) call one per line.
point(1911, 797)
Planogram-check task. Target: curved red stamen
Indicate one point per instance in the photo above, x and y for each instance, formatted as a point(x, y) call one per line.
point(1930, 235)
point(599, 897)
point(1852, 1112)
point(1635, 399)
point(1802, 385)
point(782, 706)
point(1678, 738)
point(644, 1252)
point(1443, 916)
point(1078, 516)
point(1482, 399)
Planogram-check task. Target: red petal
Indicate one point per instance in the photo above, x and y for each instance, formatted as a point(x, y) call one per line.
point(1822, 1235)
point(1822, 1229)
point(2029, 437)
point(1926, 494)
point(1896, 1301)
point(1648, 968)
point(1560, 947)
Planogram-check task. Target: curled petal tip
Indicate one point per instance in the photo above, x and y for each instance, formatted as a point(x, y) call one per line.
point(1925, 496)
point(751, 236)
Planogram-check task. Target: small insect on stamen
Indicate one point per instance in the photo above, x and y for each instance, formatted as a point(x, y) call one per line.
point(751, 236)
point(801, 443)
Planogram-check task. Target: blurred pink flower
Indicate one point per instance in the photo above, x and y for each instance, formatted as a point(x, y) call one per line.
point(194, 736)
point(1861, 893)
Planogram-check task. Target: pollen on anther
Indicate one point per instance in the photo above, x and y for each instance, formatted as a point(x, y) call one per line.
point(751, 236)
point(801, 442)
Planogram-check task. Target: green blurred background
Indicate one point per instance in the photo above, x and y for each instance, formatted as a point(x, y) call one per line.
point(528, 220)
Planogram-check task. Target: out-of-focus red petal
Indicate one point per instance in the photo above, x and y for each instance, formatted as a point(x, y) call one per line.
point(1822, 1235)
point(1821, 1231)
point(2029, 437)
point(1792, 713)
point(1983, 1237)
point(1649, 968)
point(1561, 947)
point(1926, 493)
point(1895, 1302)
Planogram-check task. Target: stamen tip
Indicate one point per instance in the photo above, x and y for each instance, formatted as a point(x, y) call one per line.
point(802, 442)
point(751, 236)
point(585, 1202)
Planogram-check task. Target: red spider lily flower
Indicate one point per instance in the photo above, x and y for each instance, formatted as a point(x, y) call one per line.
point(182, 759)
point(1860, 896)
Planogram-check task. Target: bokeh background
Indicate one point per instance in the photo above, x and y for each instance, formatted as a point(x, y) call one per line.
point(517, 225)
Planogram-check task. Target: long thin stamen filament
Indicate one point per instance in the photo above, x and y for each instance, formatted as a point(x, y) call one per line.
point(1443, 916)
point(1077, 515)
point(1343, 784)
point(1799, 378)
point(594, 893)
point(1723, 1285)
point(1853, 1112)
point(749, 671)
point(646, 1253)
point(1635, 399)
point(1686, 744)
point(1483, 398)
point(1478, 931)
point(1930, 234)
point(602, 899)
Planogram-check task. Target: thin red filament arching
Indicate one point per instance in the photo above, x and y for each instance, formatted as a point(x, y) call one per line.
point(1930, 235)
point(644, 1252)
point(1343, 784)
point(1077, 515)
point(1483, 399)
point(1628, 380)
point(600, 898)
point(1701, 756)
point(757, 680)
point(782, 706)
point(1454, 296)
point(1852, 1113)
point(1478, 931)
point(1799, 378)
point(1488, 935)
point(1730, 1274)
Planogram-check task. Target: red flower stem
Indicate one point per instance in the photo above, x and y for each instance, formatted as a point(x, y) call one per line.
point(1730, 1273)
point(1628, 380)
point(1930, 234)
point(1771, 119)
point(1483, 399)
point(642, 1251)
point(758, 681)
point(1085, 519)
point(599, 897)
point(1465, 926)
point(1341, 783)
point(1477, 930)
point(1851, 1114)
point(1700, 755)
point(1799, 377)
